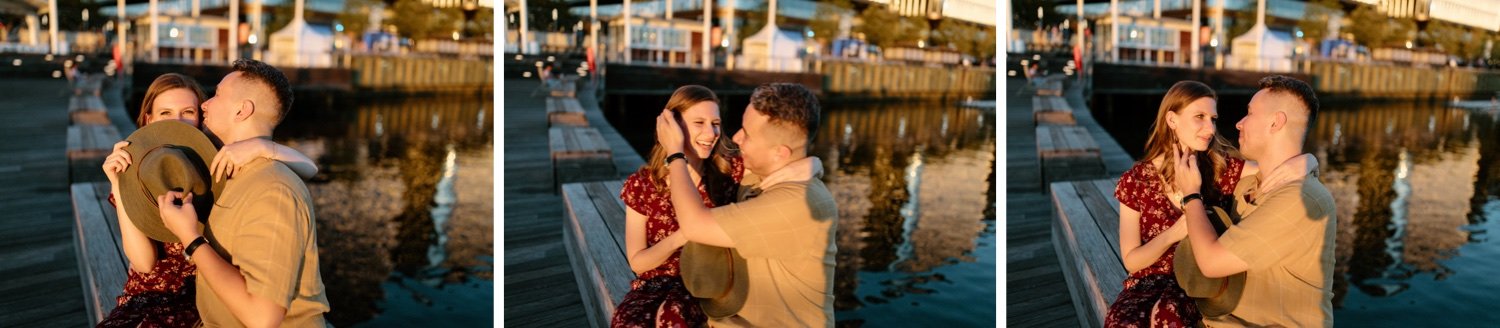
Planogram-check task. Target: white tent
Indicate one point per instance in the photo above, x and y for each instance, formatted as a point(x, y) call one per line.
point(1264, 50)
point(773, 49)
point(302, 45)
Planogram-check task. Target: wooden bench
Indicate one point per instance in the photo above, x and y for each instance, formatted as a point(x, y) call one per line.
point(565, 87)
point(579, 154)
point(88, 144)
point(565, 111)
point(594, 235)
point(1085, 233)
point(1051, 85)
point(1068, 153)
point(101, 260)
point(87, 109)
point(1052, 110)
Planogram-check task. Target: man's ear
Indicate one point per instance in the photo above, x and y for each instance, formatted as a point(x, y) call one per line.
point(245, 110)
point(783, 152)
point(1278, 122)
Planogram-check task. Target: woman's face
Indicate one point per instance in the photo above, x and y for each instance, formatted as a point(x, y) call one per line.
point(1194, 124)
point(178, 104)
point(702, 121)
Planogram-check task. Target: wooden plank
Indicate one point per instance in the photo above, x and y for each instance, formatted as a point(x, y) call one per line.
point(101, 260)
point(606, 271)
point(1088, 245)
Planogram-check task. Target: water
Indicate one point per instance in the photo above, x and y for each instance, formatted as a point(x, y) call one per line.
point(915, 189)
point(404, 206)
point(1417, 190)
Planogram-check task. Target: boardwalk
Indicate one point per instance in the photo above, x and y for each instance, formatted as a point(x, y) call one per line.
point(37, 256)
point(539, 286)
point(1036, 293)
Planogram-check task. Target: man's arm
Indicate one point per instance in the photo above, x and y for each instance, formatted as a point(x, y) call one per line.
point(223, 277)
point(1214, 260)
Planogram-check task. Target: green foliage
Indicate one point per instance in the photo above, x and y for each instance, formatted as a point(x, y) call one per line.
point(825, 23)
point(1314, 23)
point(356, 15)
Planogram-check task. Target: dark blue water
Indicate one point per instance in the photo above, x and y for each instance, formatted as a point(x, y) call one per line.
point(404, 207)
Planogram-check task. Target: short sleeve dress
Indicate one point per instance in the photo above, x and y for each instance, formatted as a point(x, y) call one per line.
point(165, 297)
point(1155, 289)
point(662, 288)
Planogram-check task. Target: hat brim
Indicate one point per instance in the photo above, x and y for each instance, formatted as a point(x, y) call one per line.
point(1215, 296)
point(716, 277)
point(139, 204)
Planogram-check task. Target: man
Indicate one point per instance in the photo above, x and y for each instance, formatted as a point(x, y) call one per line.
point(783, 226)
point(1284, 240)
point(261, 268)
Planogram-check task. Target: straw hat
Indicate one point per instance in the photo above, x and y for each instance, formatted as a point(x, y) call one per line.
point(167, 156)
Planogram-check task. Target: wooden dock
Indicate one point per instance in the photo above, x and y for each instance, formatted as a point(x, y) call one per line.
point(540, 290)
point(37, 257)
point(1036, 292)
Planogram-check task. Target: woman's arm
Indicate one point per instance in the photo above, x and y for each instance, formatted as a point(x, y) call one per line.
point(232, 156)
point(1136, 255)
point(644, 258)
point(138, 248)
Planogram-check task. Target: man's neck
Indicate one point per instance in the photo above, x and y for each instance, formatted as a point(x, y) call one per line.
point(1274, 160)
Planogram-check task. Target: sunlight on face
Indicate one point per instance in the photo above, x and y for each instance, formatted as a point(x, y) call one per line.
point(177, 104)
point(702, 122)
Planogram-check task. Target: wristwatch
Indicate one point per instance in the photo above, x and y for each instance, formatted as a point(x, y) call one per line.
point(674, 156)
point(1191, 197)
point(188, 252)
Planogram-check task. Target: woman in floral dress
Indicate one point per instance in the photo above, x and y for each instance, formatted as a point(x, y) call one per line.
point(658, 297)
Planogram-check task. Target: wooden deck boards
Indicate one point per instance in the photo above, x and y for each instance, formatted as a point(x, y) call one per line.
point(42, 285)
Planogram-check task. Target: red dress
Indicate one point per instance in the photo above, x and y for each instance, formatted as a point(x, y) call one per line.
point(166, 297)
point(662, 288)
point(1155, 287)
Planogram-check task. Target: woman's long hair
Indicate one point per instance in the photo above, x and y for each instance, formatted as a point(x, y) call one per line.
point(1163, 139)
point(162, 84)
point(716, 172)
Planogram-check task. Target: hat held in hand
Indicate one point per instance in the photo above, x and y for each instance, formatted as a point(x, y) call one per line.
point(166, 156)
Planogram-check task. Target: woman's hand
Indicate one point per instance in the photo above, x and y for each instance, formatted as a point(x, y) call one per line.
point(669, 133)
point(1188, 179)
point(235, 155)
point(117, 161)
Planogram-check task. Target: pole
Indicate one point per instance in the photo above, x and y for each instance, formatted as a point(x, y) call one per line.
point(233, 53)
point(52, 19)
point(1195, 54)
point(627, 31)
point(155, 36)
point(708, 9)
point(1114, 30)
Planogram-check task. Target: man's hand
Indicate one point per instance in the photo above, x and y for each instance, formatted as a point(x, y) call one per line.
point(669, 132)
point(117, 161)
point(1188, 179)
point(182, 220)
point(235, 155)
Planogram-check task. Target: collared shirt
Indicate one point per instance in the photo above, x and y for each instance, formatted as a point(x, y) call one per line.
point(1287, 238)
point(264, 220)
point(784, 227)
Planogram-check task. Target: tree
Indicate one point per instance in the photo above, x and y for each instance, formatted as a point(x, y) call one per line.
point(1314, 23)
point(826, 22)
point(413, 18)
point(1025, 13)
point(956, 35)
point(482, 25)
point(356, 15)
point(1368, 26)
point(879, 25)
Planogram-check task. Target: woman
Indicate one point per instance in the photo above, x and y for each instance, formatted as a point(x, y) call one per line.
point(159, 290)
point(657, 296)
point(1149, 211)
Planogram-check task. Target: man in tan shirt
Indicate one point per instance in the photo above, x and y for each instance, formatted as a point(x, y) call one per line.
point(783, 226)
point(260, 268)
point(1285, 238)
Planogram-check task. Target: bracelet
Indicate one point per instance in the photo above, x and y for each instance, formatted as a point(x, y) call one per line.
point(675, 156)
point(1189, 198)
point(188, 252)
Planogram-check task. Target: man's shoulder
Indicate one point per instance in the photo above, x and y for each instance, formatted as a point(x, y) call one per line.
point(267, 175)
point(813, 192)
point(1309, 194)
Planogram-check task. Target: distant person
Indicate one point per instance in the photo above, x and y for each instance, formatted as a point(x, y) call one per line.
point(1283, 243)
point(657, 296)
point(262, 268)
point(768, 259)
point(159, 289)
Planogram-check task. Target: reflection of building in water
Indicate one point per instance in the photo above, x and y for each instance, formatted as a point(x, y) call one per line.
point(912, 184)
point(377, 197)
point(1399, 176)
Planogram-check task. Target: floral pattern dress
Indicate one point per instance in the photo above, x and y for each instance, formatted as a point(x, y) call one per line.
point(1152, 297)
point(658, 298)
point(166, 297)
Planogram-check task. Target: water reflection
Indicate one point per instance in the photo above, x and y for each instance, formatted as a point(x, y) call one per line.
point(404, 207)
point(914, 184)
point(1416, 187)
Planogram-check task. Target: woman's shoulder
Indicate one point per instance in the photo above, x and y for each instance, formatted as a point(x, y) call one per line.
point(639, 182)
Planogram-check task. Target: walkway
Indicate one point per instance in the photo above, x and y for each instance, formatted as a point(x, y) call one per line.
point(540, 290)
point(37, 254)
point(1036, 292)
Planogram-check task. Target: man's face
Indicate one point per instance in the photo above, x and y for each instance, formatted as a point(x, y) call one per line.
point(757, 148)
point(219, 111)
point(1255, 128)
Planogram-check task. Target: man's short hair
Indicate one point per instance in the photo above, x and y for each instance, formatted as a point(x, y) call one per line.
point(254, 70)
point(790, 104)
point(1297, 89)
